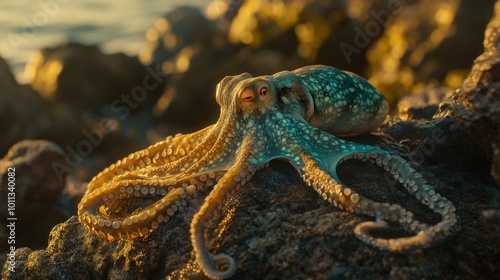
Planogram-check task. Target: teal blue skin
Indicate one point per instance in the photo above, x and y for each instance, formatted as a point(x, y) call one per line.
point(336, 101)
point(342, 102)
point(301, 109)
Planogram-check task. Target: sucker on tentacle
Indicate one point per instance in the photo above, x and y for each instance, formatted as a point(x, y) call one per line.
point(290, 115)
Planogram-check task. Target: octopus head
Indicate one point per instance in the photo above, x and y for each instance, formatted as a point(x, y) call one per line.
point(246, 93)
point(258, 95)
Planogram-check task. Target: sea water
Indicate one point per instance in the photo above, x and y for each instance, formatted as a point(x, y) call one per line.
point(114, 26)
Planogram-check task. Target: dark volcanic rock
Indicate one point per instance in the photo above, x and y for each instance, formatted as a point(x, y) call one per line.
point(18, 107)
point(37, 189)
point(491, 219)
point(181, 27)
point(476, 104)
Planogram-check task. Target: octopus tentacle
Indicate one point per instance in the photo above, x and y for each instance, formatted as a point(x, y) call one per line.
point(325, 181)
point(181, 159)
point(416, 185)
point(174, 190)
point(206, 154)
point(232, 181)
point(160, 153)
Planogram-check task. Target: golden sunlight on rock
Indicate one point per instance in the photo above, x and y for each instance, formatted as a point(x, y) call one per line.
point(81, 75)
point(257, 20)
point(45, 84)
point(162, 24)
point(455, 77)
point(445, 14)
point(152, 34)
point(398, 59)
point(32, 65)
point(216, 9)
point(49, 86)
point(183, 60)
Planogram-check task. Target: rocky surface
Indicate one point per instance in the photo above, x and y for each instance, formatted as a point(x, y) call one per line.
point(476, 104)
point(27, 172)
point(279, 227)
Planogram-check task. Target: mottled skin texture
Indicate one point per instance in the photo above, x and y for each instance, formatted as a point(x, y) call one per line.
point(290, 116)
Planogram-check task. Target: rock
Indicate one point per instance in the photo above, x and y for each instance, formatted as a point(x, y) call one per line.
point(24, 114)
point(179, 28)
point(87, 102)
point(475, 105)
point(85, 78)
point(184, 44)
point(36, 188)
point(278, 226)
point(427, 41)
point(20, 108)
point(422, 105)
point(491, 219)
point(314, 31)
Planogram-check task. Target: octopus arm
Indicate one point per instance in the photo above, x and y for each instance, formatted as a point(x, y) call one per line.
point(321, 175)
point(220, 266)
point(156, 155)
point(174, 191)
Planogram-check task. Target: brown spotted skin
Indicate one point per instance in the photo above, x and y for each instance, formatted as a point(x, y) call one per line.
point(290, 115)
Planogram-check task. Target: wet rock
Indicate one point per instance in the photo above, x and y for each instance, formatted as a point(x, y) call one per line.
point(475, 105)
point(85, 78)
point(36, 188)
point(427, 41)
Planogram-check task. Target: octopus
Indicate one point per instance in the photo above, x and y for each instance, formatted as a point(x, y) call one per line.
point(297, 116)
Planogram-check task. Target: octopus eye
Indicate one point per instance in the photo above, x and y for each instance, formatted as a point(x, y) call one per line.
point(247, 96)
point(262, 88)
